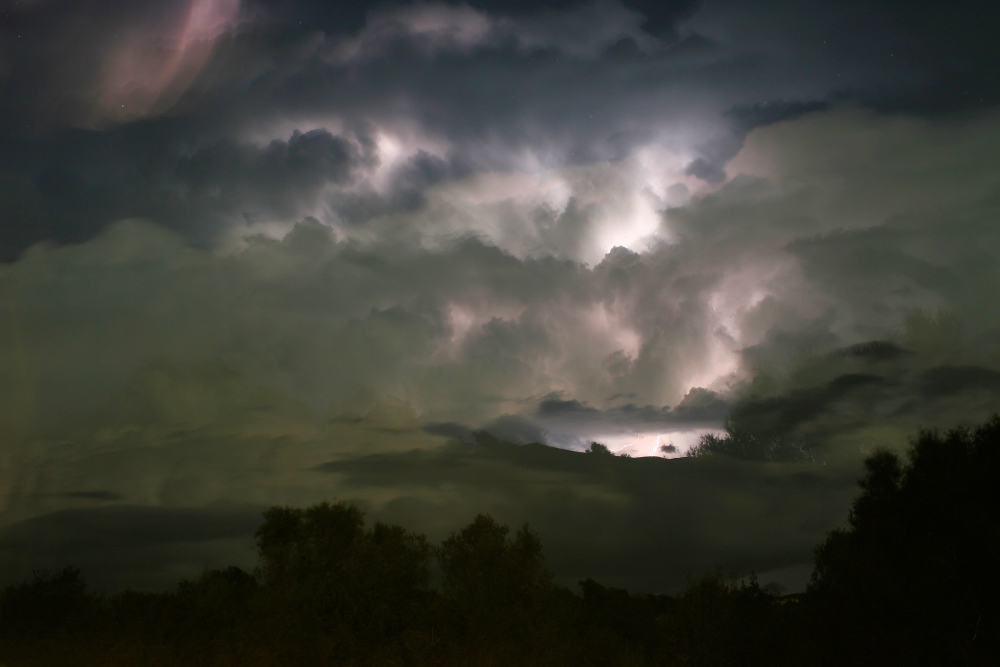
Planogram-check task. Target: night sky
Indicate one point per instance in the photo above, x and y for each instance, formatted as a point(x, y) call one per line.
point(272, 252)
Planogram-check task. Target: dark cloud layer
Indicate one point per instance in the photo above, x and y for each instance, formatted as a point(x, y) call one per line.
point(572, 82)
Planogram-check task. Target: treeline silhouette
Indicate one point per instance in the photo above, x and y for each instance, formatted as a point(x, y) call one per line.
point(911, 580)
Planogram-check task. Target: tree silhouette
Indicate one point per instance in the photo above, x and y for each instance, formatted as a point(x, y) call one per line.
point(496, 593)
point(327, 577)
point(918, 558)
point(299, 545)
point(484, 569)
point(741, 441)
point(599, 449)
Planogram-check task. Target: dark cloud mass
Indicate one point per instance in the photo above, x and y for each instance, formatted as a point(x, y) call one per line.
point(421, 255)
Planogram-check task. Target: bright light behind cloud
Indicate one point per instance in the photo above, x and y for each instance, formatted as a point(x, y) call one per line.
point(576, 212)
point(665, 444)
point(537, 207)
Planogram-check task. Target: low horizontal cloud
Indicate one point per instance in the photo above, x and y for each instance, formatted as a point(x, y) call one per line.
point(699, 407)
point(127, 546)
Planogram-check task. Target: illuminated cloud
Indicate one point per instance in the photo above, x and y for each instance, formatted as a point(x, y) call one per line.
point(151, 66)
point(459, 306)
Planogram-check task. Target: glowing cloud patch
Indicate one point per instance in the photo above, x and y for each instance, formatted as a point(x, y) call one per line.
point(151, 67)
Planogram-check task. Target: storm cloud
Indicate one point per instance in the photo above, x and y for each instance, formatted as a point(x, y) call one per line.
point(442, 89)
point(261, 253)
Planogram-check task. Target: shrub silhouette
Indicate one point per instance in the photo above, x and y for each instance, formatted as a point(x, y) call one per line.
point(50, 601)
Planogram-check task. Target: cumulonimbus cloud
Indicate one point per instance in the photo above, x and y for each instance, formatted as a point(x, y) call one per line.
point(144, 369)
